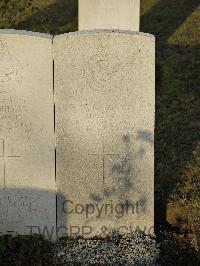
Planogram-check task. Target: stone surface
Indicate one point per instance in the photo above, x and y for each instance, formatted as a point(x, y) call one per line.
point(112, 14)
point(104, 88)
point(27, 153)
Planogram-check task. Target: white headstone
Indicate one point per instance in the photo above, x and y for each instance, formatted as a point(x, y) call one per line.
point(109, 14)
point(27, 153)
point(105, 100)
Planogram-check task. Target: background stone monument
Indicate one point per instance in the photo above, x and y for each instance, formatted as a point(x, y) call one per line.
point(109, 14)
point(27, 168)
point(105, 100)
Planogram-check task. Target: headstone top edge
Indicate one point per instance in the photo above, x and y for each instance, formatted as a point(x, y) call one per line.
point(96, 31)
point(25, 33)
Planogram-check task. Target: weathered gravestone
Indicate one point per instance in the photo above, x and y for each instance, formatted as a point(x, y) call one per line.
point(109, 14)
point(104, 88)
point(27, 168)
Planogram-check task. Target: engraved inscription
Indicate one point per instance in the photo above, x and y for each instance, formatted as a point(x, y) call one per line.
point(19, 201)
point(12, 114)
point(4, 156)
point(10, 69)
point(104, 156)
point(100, 66)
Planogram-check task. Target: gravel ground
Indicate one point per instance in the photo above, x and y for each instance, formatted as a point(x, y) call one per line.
point(129, 249)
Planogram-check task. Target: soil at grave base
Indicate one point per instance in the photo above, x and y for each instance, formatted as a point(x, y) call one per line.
point(179, 216)
point(178, 236)
point(176, 245)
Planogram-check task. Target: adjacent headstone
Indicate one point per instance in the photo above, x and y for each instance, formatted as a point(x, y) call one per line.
point(27, 152)
point(109, 14)
point(105, 101)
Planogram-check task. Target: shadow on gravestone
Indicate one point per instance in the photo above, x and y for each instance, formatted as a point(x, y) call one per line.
point(124, 176)
point(25, 211)
point(124, 172)
point(118, 194)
